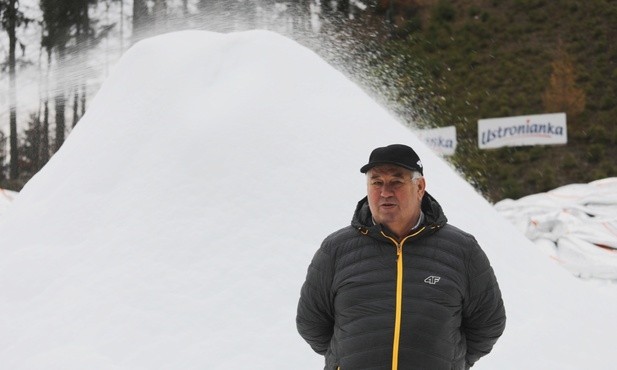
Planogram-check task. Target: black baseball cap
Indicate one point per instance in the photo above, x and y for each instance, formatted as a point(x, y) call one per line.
point(396, 154)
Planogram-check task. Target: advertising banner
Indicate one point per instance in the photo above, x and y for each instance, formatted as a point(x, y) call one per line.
point(442, 140)
point(541, 129)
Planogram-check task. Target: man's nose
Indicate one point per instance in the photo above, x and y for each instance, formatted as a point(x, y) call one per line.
point(386, 190)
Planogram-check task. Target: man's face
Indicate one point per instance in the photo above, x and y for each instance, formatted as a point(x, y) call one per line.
point(394, 198)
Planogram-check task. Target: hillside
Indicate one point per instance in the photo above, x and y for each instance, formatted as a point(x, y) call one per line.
point(460, 61)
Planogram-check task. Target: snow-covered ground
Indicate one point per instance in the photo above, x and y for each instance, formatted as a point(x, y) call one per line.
point(6, 199)
point(174, 228)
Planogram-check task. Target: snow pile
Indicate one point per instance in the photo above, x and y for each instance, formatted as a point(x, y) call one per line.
point(174, 228)
point(576, 224)
point(6, 198)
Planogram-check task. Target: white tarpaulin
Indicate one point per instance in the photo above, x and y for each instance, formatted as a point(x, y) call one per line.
point(576, 224)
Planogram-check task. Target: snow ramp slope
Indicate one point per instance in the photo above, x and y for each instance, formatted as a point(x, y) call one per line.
point(174, 228)
point(6, 198)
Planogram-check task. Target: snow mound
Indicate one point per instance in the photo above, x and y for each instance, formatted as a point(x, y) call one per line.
point(6, 198)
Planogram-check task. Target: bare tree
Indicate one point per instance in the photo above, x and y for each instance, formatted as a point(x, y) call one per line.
point(562, 94)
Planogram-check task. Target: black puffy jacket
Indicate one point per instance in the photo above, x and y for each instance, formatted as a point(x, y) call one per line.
point(362, 306)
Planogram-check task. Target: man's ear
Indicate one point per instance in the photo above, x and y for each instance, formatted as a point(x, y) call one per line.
point(421, 186)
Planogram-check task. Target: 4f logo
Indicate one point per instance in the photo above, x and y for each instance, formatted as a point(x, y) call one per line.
point(432, 280)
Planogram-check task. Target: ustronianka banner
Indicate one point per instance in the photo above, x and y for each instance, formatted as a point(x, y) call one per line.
point(541, 129)
point(442, 140)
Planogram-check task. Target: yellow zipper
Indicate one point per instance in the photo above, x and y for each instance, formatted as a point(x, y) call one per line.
point(399, 295)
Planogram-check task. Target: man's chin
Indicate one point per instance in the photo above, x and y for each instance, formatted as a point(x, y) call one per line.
point(385, 219)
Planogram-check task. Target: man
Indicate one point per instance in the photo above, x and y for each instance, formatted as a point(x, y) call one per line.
point(400, 288)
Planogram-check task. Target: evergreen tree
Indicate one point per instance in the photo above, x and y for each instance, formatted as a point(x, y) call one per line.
point(301, 15)
point(11, 18)
point(58, 18)
point(2, 156)
point(141, 17)
point(30, 152)
point(67, 34)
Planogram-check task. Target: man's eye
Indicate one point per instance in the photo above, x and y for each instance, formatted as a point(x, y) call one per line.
point(377, 183)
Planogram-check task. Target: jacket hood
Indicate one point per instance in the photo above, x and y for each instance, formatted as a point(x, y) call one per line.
point(433, 214)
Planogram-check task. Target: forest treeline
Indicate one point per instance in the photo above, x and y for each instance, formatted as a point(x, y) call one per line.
point(433, 63)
